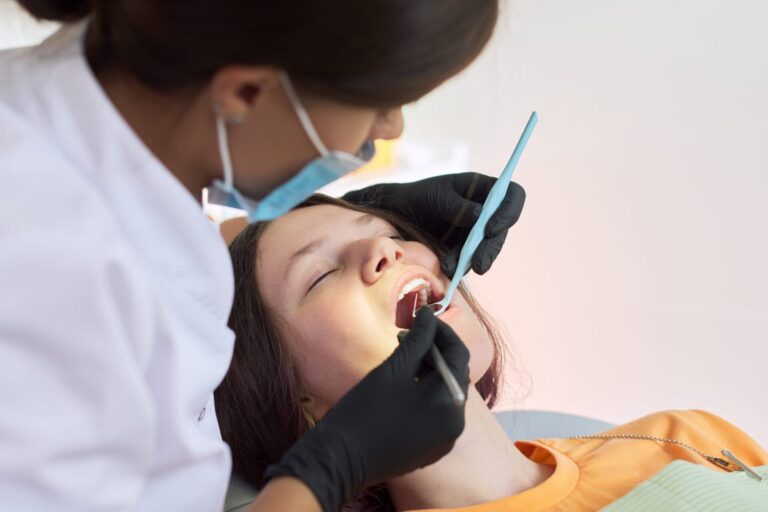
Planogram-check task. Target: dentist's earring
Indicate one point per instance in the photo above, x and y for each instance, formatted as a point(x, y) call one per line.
point(308, 409)
point(237, 118)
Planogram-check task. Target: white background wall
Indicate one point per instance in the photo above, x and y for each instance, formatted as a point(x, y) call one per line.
point(636, 279)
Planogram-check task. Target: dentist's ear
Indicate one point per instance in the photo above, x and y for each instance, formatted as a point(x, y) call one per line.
point(389, 124)
point(236, 91)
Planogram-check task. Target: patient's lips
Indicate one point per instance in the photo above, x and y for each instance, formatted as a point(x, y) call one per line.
point(414, 279)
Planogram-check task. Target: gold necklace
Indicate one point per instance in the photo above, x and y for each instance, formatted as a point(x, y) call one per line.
point(734, 465)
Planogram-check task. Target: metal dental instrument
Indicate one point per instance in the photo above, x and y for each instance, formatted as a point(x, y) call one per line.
point(453, 385)
point(477, 233)
point(457, 394)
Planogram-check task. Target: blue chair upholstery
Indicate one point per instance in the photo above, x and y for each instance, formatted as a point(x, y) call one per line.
point(517, 424)
point(532, 424)
point(239, 495)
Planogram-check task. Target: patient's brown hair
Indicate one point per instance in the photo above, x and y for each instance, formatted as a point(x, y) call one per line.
point(260, 404)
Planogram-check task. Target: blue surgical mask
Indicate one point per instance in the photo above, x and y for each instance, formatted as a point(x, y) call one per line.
point(321, 171)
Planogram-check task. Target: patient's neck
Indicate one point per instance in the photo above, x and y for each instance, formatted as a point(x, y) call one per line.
point(483, 466)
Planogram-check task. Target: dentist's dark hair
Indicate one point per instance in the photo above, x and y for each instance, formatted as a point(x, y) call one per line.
point(260, 404)
point(373, 53)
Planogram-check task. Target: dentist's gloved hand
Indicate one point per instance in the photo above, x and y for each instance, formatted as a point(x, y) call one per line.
point(391, 423)
point(447, 207)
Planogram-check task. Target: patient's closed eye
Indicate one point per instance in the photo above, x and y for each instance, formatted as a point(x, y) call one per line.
point(323, 276)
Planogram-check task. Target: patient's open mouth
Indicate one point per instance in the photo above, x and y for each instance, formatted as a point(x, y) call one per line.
point(415, 294)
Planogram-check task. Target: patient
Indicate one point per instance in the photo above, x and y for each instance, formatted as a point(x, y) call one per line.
point(321, 294)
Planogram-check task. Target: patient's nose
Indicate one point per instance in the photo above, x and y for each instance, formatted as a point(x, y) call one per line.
point(380, 254)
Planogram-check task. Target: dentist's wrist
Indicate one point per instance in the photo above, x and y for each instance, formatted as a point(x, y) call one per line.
point(285, 493)
point(321, 460)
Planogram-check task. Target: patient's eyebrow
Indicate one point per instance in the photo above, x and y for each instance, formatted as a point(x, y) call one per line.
point(365, 219)
point(311, 247)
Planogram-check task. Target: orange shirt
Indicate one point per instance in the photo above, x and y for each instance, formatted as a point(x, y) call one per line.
point(591, 473)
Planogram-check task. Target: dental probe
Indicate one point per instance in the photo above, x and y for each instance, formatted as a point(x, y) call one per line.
point(477, 233)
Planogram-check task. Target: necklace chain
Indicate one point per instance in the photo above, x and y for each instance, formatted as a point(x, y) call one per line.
point(714, 460)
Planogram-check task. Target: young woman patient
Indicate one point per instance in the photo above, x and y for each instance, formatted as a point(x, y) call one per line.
point(314, 313)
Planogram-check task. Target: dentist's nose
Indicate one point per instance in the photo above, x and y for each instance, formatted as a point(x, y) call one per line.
point(379, 255)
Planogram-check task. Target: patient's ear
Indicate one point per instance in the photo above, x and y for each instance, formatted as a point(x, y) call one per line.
point(230, 228)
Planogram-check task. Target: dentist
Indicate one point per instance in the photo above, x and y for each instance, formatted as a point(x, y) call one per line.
point(115, 289)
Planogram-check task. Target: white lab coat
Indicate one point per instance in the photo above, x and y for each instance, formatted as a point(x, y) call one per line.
point(114, 296)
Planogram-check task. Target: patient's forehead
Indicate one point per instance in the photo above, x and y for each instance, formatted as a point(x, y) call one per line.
point(294, 230)
point(302, 225)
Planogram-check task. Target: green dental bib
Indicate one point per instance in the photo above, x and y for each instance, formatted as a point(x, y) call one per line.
point(686, 487)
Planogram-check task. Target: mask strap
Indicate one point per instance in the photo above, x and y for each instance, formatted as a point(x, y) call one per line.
point(226, 160)
point(304, 118)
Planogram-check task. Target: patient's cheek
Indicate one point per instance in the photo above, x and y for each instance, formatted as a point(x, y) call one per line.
point(334, 355)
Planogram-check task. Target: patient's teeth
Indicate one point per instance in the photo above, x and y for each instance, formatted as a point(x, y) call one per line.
point(423, 296)
point(412, 285)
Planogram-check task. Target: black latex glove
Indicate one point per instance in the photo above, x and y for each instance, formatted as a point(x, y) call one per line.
point(399, 418)
point(447, 207)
